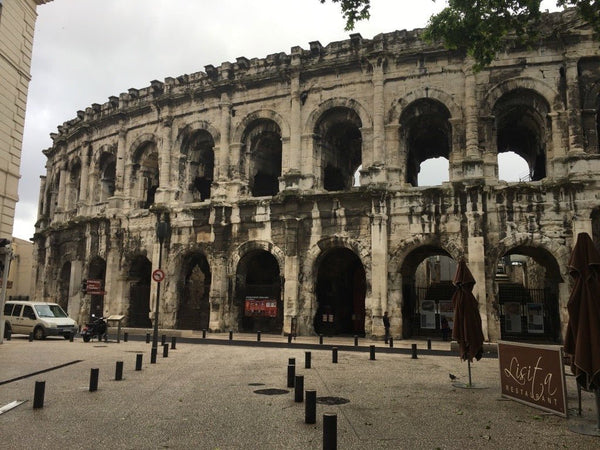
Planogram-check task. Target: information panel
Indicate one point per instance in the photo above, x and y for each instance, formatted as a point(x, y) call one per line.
point(260, 307)
point(534, 375)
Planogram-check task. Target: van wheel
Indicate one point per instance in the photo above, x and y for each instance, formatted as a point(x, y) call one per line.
point(38, 333)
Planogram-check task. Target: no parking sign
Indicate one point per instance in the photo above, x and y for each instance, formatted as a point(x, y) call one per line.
point(158, 275)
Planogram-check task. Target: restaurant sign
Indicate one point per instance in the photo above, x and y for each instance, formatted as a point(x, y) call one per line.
point(260, 307)
point(534, 375)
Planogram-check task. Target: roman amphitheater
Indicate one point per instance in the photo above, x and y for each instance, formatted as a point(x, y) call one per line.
point(293, 190)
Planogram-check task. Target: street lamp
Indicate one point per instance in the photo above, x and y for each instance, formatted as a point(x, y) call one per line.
point(163, 230)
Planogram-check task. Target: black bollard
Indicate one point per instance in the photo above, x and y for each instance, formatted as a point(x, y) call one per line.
point(310, 408)
point(320, 339)
point(291, 374)
point(355, 341)
point(231, 335)
point(290, 338)
point(94, 379)
point(8, 334)
point(299, 389)
point(307, 356)
point(173, 342)
point(147, 338)
point(138, 361)
point(329, 431)
point(414, 351)
point(153, 355)
point(203, 334)
point(119, 371)
point(30, 337)
point(292, 361)
point(38, 394)
point(125, 337)
point(71, 335)
point(391, 342)
point(165, 350)
point(334, 353)
point(372, 352)
point(428, 344)
point(163, 339)
point(258, 336)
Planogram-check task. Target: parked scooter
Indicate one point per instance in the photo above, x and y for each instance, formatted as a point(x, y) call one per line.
point(95, 328)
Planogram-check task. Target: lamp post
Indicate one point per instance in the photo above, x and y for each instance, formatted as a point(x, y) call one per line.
point(163, 229)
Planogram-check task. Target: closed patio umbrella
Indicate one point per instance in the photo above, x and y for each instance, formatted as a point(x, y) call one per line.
point(467, 330)
point(582, 340)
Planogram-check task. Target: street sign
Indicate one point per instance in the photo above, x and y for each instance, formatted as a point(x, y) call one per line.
point(158, 275)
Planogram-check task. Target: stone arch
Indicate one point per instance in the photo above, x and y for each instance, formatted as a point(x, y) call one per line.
point(196, 143)
point(266, 114)
point(144, 169)
point(425, 93)
point(193, 290)
point(74, 169)
point(337, 102)
point(250, 246)
point(139, 142)
point(551, 96)
point(188, 129)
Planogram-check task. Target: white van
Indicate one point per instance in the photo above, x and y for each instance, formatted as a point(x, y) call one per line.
point(41, 319)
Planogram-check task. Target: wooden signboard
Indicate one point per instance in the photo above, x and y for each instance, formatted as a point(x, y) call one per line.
point(534, 375)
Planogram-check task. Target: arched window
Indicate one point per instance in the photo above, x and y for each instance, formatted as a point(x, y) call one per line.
point(339, 141)
point(145, 173)
point(262, 159)
point(426, 135)
point(198, 165)
point(107, 169)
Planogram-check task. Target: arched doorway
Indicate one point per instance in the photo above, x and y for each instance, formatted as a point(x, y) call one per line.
point(427, 289)
point(341, 290)
point(194, 305)
point(527, 279)
point(259, 293)
point(139, 292)
point(97, 271)
point(64, 284)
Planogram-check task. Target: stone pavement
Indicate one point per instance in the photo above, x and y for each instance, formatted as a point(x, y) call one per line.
point(203, 397)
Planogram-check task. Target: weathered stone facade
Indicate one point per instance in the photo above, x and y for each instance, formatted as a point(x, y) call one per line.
point(252, 163)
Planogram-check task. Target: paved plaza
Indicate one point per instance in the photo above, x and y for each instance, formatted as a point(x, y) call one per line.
point(203, 397)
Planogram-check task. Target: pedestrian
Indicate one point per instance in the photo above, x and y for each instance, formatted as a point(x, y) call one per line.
point(386, 325)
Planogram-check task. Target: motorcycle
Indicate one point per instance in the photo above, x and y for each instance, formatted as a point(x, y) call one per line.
point(95, 328)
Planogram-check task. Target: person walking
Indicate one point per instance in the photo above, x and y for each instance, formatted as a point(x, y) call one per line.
point(386, 325)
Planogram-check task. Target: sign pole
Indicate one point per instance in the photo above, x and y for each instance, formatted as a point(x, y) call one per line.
point(7, 252)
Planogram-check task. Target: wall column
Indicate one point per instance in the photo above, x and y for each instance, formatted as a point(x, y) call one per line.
point(85, 169)
point(574, 107)
point(165, 189)
point(377, 303)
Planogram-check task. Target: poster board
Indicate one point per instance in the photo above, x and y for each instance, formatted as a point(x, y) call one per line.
point(533, 375)
point(260, 307)
point(428, 314)
point(512, 317)
point(535, 318)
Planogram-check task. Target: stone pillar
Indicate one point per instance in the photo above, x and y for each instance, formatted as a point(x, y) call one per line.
point(574, 107)
point(476, 264)
point(164, 152)
point(218, 293)
point(223, 159)
point(291, 308)
point(292, 153)
point(377, 303)
point(378, 158)
point(85, 169)
point(62, 189)
point(471, 132)
point(121, 182)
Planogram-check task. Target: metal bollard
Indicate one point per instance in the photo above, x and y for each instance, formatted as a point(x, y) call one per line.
point(138, 361)
point(163, 339)
point(173, 342)
point(94, 379)
point(147, 338)
point(414, 351)
point(71, 335)
point(119, 371)
point(310, 408)
point(38, 394)
point(290, 338)
point(258, 336)
point(165, 350)
point(203, 334)
point(125, 337)
point(307, 357)
point(355, 341)
point(334, 354)
point(329, 431)
point(153, 353)
point(105, 337)
point(290, 375)
point(299, 389)
point(428, 344)
point(8, 335)
point(391, 342)
point(292, 361)
point(30, 337)
point(231, 335)
point(372, 352)
point(320, 339)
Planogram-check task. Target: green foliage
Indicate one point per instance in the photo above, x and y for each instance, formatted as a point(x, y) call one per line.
point(353, 11)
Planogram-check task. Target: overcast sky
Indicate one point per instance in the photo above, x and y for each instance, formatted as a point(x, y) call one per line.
point(87, 50)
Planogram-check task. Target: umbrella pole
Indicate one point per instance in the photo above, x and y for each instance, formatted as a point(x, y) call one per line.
point(469, 365)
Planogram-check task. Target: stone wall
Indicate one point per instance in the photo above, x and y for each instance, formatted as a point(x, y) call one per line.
point(253, 163)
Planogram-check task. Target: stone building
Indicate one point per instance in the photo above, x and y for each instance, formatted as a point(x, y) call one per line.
point(290, 184)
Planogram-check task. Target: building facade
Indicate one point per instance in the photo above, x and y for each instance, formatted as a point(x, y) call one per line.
point(290, 184)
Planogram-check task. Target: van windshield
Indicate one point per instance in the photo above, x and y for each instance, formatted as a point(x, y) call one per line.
point(50, 311)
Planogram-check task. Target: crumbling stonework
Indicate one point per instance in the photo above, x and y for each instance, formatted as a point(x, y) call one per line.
point(253, 165)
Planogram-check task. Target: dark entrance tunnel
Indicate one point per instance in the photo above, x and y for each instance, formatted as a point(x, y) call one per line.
point(341, 289)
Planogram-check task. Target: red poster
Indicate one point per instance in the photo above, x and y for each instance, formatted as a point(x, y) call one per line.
point(260, 307)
